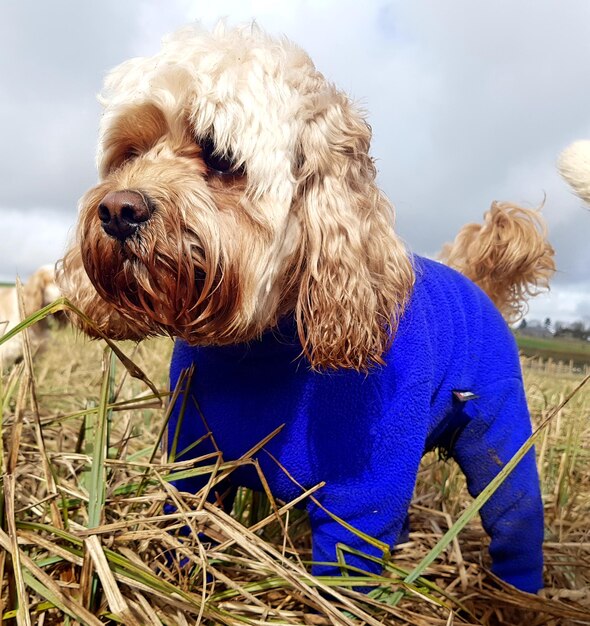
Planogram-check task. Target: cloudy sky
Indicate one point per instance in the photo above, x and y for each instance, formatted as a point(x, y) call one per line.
point(469, 102)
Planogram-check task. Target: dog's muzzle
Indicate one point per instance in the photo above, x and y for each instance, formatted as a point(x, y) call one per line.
point(122, 212)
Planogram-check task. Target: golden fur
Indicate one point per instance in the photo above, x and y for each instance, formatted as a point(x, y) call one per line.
point(37, 292)
point(297, 224)
point(508, 256)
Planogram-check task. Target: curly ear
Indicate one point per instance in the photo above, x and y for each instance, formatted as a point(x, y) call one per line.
point(75, 285)
point(355, 273)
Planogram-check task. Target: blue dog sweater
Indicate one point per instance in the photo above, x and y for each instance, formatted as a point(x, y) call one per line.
point(364, 434)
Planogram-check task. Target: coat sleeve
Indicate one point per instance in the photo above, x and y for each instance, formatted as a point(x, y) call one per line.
point(513, 517)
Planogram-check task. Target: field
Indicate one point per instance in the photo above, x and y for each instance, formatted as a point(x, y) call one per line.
point(566, 350)
point(85, 538)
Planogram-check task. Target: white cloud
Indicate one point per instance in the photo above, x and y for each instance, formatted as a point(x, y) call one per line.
point(30, 241)
point(565, 304)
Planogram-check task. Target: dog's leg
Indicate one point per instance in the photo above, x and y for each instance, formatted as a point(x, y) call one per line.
point(513, 516)
point(376, 502)
point(188, 435)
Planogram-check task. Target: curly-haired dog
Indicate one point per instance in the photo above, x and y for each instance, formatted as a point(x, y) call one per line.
point(574, 166)
point(238, 211)
point(39, 290)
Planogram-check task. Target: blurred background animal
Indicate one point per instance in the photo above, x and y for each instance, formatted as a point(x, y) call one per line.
point(574, 166)
point(38, 291)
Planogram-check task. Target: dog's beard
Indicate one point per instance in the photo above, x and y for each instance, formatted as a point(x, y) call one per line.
point(165, 279)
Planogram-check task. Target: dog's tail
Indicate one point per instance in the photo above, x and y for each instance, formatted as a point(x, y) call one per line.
point(574, 166)
point(508, 256)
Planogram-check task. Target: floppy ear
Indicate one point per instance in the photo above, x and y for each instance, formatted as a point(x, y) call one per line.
point(355, 273)
point(75, 285)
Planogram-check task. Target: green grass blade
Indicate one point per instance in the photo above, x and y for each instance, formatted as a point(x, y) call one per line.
point(97, 445)
point(39, 315)
point(97, 481)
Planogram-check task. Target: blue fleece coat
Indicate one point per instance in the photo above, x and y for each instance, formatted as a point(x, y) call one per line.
point(364, 435)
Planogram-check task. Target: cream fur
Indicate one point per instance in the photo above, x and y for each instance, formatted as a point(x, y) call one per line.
point(574, 166)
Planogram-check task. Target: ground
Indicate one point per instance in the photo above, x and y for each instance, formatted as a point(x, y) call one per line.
point(85, 483)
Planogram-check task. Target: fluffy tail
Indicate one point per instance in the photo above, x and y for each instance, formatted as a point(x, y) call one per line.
point(508, 256)
point(574, 166)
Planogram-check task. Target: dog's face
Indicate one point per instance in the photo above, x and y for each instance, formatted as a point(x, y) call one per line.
point(235, 188)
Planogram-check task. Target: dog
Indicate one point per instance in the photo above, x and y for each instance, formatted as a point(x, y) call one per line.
point(237, 211)
point(574, 166)
point(39, 290)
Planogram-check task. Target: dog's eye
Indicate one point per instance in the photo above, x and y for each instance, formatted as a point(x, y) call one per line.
point(114, 159)
point(219, 163)
point(130, 154)
point(125, 156)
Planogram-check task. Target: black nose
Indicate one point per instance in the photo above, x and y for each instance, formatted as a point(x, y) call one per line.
point(121, 212)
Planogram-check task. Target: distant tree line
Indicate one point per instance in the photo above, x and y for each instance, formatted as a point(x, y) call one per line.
point(578, 330)
point(575, 330)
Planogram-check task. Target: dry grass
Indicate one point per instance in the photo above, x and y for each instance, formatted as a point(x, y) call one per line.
point(84, 538)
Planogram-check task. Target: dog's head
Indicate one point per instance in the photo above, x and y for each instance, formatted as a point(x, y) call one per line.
point(236, 188)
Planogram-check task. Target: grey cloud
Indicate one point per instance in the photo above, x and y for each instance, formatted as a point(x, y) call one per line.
point(469, 102)
point(34, 239)
point(54, 55)
point(476, 102)
point(583, 309)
